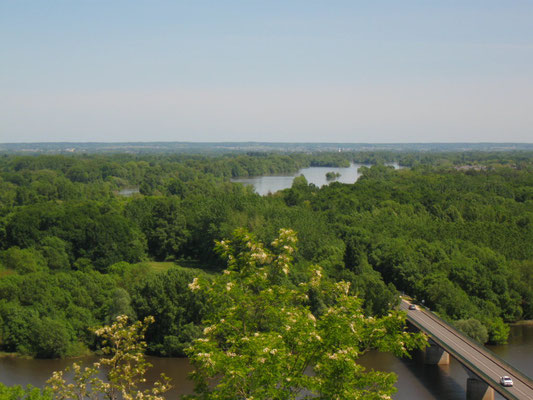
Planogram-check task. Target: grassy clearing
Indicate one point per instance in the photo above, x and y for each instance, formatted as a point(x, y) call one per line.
point(161, 266)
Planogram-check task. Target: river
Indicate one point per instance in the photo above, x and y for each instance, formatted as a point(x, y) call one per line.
point(415, 380)
point(315, 175)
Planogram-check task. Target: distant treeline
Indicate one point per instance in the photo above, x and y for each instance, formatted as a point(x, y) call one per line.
point(454, 229)
point(242, 147)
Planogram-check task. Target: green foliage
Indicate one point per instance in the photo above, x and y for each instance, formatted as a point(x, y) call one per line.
point(120, 304)
point(299, 191)
point(331, 176)
point(128, 275)
point(23, 261)
point(498, 330)
point(261, 339)
point(175, 308)
point(19, 393)
point(473, 328)
point(54, 250)
point(88, 230)
point(48, 315)
point(162, 221)
point(25, 332)
point(454, 230)
point(52, 338)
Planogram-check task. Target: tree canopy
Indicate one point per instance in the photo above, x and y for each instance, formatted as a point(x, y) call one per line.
point(454, 229)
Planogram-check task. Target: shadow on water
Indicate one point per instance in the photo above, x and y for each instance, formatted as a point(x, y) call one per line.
point(442, 381)
point(420, 381)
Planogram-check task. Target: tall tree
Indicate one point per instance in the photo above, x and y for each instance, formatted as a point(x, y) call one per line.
point(262, 341)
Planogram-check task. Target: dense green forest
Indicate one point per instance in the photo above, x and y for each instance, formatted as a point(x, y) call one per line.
point(454, 229)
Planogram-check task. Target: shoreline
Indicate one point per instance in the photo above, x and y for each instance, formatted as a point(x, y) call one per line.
point(522, 322)
point(3, 354)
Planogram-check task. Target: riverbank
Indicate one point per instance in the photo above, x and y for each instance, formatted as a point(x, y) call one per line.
point(4, 354)
point(82, 354)
point(527, 322)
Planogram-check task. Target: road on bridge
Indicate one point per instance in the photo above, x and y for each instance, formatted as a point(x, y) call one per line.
point(473, 356)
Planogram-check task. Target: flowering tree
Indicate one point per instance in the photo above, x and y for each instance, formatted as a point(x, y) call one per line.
point(124, 366)
point(262, 342)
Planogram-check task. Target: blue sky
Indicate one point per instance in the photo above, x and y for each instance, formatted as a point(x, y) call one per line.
point(304, 71)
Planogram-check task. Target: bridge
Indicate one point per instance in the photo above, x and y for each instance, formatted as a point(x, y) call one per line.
point(484, 368)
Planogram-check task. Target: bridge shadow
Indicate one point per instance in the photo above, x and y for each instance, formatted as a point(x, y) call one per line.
point(446, 382)
point(419, 381)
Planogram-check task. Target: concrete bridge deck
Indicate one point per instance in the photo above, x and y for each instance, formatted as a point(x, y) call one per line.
point(475, 358)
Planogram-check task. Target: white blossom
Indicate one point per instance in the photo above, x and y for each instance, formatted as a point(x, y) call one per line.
point(208, 329)
point(194, 285)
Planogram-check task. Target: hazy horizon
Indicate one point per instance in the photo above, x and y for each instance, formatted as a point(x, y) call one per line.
point(251, 71)
point(436, 142)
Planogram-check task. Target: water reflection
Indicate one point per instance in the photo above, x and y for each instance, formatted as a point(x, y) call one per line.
point(21, 371)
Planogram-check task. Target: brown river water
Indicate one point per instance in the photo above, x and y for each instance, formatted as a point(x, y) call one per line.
point(415, 380)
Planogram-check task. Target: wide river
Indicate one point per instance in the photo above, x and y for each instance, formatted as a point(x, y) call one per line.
point(415, 380)
point(316, 175)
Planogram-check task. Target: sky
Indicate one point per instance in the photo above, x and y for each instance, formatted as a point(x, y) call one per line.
point(276, 71)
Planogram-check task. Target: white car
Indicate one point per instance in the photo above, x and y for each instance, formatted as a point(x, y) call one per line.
point(412, 307)
point(506, 381)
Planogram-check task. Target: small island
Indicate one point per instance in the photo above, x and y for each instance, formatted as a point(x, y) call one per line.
point(331, 176)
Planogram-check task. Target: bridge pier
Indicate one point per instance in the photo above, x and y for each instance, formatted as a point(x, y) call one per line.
point(476, 389)
point(435, 355)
